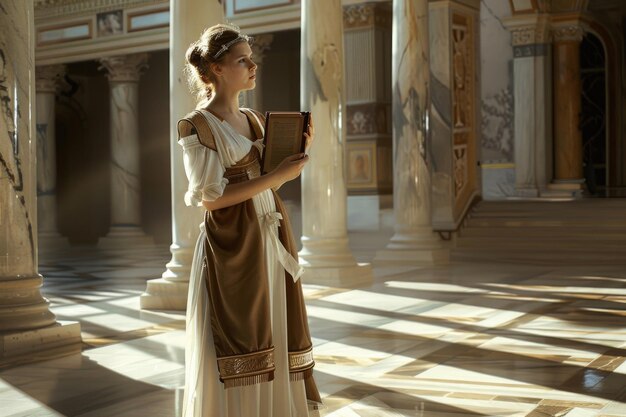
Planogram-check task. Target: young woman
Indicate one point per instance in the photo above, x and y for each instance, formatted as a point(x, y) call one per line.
point(248, 351)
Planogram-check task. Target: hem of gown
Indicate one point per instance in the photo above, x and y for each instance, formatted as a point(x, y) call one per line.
point(249, 380)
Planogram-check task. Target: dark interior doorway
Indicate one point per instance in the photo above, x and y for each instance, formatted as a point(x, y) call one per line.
point(593, 120)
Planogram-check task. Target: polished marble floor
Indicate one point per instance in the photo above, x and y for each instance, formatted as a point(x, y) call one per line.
point(465, 339)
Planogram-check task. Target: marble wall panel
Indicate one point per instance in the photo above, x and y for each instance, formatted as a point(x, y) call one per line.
point(440, 123)
point(497, 97)
point(452, 123)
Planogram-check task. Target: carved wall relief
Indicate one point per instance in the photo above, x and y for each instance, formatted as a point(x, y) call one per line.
point(463, 95)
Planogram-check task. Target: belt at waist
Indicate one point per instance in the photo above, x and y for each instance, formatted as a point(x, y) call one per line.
point(244, 173)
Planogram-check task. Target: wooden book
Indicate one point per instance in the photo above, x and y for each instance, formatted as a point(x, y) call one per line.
point(284, 136)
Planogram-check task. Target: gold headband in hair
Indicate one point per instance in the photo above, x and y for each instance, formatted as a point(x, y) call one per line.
point(224, 48)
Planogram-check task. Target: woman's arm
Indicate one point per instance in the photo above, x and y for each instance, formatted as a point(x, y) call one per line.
point(288, 170)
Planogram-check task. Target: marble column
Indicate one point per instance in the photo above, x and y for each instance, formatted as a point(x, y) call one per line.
point(123, 73)
point(533, 111)
point(188, 19)
point(568, 152)
point(414, 241)
point(325, 253)
point(254, 98)
point(47, 78)
point(26, 323)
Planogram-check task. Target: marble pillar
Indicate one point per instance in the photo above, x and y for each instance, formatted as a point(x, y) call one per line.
point(568, 152)
point(260, 46)
point(533, 113)
point(123, 73)
point(26, 323)
point(47, 78)
point(188, 20)
point(414, 241)
point(325, 253)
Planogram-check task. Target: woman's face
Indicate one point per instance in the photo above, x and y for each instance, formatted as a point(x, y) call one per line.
point(237, 70)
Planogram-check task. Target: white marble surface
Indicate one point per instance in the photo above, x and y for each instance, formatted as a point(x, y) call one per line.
point(496, 71)
point(498, 181)
point(188, 20)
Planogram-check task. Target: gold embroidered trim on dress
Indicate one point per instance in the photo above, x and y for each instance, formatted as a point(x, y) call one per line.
point(301, 360)
point(249, 366)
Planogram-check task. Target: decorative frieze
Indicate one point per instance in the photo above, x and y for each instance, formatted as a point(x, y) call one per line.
point(366, 15)
point(525, 51)
point(568, 32)
point(530, 35)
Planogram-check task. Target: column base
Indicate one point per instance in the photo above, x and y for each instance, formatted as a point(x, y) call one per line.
point(26, 344)
point(162, 294)
point(357, 275)
point(419, 247)
point(565, 188)
point(120, 237)
point(329, 261)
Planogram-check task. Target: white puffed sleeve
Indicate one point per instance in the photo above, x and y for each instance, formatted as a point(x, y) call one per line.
point(204, 170)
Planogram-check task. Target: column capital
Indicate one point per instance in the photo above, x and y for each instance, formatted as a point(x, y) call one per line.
point(261, 45)
point(124, 68)
point(47, 77)
point(568, 31)
point(366, 15)
point(528, 29)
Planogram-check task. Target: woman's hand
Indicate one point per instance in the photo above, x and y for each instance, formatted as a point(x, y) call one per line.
point(309, 135)
point(289, 169)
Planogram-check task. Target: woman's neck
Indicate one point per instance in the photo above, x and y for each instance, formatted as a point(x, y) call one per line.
point(224, 104)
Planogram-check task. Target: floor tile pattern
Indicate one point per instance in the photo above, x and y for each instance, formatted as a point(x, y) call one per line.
point(461, 340)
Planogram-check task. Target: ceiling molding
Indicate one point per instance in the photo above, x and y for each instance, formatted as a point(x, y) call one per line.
point(46, 9)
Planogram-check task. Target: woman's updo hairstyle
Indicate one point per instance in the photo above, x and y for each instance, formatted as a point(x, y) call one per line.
point(209, 50)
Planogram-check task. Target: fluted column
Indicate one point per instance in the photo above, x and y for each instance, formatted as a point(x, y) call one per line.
point(325, 253)
point(414, 240)
point(26, 323)
point(188, 19)
point(533, 110)
point(123, 73)
point(568, 156)
point(47, 81)
point(260, 46)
